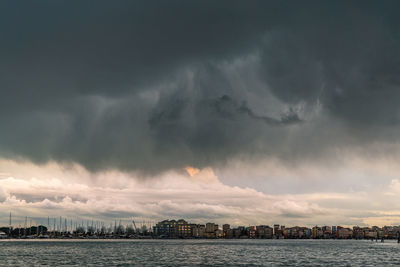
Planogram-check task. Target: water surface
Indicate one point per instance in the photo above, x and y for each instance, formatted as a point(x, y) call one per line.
point(199, 253)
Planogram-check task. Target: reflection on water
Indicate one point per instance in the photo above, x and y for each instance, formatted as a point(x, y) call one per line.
point(199, 252)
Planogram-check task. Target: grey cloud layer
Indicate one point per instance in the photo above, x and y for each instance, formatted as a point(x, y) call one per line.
point(155, 85)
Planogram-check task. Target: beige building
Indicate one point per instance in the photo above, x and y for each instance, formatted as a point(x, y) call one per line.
point(211, 229)
point(198, 230)
point(344, 233)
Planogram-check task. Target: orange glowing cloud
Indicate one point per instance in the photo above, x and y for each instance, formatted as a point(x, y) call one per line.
point(192, 171)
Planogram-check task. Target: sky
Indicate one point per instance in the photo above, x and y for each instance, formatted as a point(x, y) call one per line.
point(240, 112)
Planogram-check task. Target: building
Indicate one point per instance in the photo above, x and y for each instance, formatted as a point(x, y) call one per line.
point(198, 230)
point(225, 229)
point(316, 232)
point(184, 229)
point(358, 233)
point(229, 233)
point(219, 233)
point(307, 232)
point(295, 232)
point(166, 228)
point(264, 231)
point(334, 229)
point(237, 233)
point(178, 229)
point(277, 231)
point(372, 235)
point(240, 232)
point(173, 229)
point(344, 233)
point(211, 228)
point(252, 232)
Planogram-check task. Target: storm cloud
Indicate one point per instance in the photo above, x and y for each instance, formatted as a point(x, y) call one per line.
point(157, 85)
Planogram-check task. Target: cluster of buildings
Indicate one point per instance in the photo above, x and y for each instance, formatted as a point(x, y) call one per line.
point(183, 229)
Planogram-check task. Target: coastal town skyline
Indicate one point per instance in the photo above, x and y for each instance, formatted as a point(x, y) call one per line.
point(243, 111)
point(67, 223)
point(175, 229)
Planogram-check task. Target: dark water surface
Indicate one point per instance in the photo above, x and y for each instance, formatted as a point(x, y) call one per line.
point(199, 253)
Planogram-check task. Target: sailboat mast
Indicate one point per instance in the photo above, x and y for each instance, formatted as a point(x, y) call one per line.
point(9, 228)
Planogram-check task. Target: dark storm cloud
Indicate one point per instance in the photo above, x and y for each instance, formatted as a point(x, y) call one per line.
point(350, 62)
point(153, 85)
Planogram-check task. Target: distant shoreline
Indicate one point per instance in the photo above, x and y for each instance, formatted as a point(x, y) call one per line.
point(195, 239)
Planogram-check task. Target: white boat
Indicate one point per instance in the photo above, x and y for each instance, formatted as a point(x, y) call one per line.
point(3, 235)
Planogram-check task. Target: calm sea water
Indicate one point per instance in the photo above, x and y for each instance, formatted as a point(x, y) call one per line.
point(199, 253)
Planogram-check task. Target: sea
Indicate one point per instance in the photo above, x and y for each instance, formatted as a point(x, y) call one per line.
point(199, 253)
